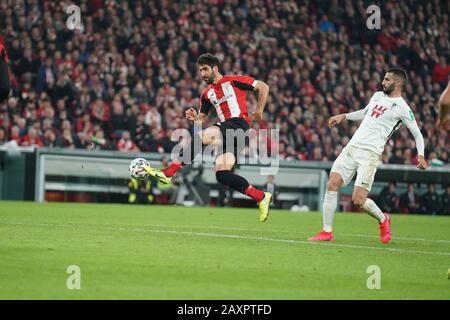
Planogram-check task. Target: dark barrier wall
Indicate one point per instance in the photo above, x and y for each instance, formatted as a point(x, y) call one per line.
point(17, 175)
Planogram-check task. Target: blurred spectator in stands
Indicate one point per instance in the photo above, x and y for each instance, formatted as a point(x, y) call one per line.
point(84, 124)
point(99, 141)
point(65, 140)
point(3, 137)
point(272, 188)
point(49, 138)
point(32, 139)
point(153, 118)
point(444, 157)
point(165, 143)
point(315, 56)
point(409, 201)
point(325, 24)
point(445, 202)
point(100, 110)
point(125, 144)
point(119, 122)
point(397, 157)
point(387, 41)
point(15, 135)
point(22, 124)
point(140, 132)
point(387, 199)
point(429, 202)
point(46, 77)
point(441, 70)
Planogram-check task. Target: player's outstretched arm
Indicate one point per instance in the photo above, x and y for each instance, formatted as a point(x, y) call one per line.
point(335, 120)
point(444, 109)
point(410, 122)
point(262, 89)
point(352, 116)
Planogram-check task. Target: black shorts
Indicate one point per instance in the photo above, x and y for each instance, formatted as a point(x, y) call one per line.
point(234, 135)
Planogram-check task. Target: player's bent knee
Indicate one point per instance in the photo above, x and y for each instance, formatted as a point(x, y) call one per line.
point(333, 185)
point(358, 201)
point(225, 161)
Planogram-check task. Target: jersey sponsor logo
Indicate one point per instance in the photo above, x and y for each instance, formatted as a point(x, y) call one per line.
point(411, 115)
point(221, 100)
point(378, 111)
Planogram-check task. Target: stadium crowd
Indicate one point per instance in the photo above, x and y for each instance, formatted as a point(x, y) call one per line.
point(430, 202)
point(122, 81)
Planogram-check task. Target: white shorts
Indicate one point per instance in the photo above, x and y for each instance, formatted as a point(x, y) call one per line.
point(354, 160)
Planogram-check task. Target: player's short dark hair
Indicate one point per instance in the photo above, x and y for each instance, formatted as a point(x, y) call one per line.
point(209, 60)
point(399, 73)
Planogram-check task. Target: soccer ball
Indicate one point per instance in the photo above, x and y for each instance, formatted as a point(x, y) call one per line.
point(136, 169)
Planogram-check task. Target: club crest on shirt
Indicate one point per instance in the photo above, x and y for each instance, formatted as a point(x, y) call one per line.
point(378, 111)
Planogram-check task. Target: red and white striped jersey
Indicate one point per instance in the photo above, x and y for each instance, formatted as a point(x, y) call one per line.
point(228, 97)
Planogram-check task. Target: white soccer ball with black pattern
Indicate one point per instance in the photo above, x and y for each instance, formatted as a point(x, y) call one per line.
point(136, 169)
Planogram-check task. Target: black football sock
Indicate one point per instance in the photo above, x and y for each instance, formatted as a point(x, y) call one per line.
point(232, 180)
point(240, 184)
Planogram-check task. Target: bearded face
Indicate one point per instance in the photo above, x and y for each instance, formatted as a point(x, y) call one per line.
point(207, 73)
point(388, 88)
point(388, 83)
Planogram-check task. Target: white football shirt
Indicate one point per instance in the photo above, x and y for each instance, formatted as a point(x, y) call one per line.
point(381, 117)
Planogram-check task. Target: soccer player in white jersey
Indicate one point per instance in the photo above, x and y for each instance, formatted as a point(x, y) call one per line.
point(384, 114)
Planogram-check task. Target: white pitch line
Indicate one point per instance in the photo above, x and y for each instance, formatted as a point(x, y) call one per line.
point(233, 236)
point(284, 241)
point(286, 232)
point(278, 231)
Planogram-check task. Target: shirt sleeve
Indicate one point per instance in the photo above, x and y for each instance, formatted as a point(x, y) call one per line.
point(205, 104)
point(357, 115)
point(244, 82)
point(409, 120)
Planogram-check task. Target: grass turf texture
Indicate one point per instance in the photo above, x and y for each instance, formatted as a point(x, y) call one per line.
point(155, 252)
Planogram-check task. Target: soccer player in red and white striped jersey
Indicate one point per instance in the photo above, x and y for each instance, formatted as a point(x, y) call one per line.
point(227, 95)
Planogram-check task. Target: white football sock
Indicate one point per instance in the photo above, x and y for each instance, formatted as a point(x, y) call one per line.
point(373, 210)
point(329, 208)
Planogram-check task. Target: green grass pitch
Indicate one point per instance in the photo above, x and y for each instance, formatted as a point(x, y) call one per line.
point(169, 252)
